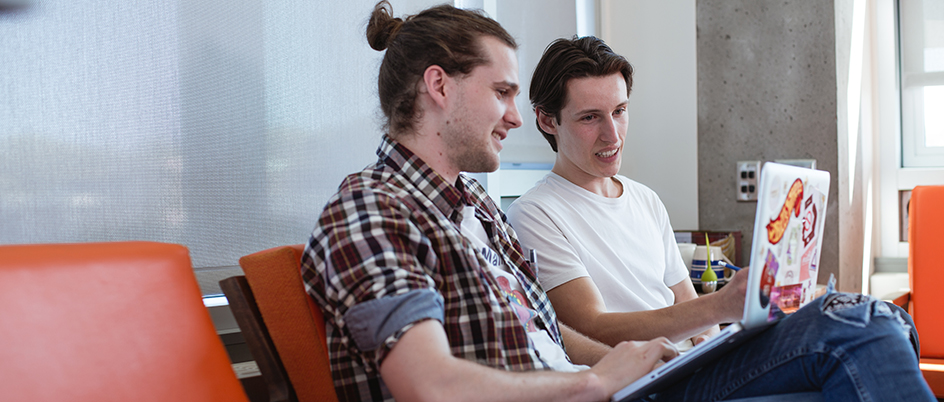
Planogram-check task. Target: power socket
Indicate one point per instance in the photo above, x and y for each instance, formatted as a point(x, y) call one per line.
point(747, 174)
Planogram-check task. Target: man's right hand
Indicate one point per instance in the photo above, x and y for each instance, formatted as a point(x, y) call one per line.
point(731, 296)
point(629, 361)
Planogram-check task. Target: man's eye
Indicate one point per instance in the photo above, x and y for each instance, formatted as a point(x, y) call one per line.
point(620, 111)
point(588, 118)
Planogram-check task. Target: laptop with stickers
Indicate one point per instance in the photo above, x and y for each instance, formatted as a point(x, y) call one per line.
point(784, 260)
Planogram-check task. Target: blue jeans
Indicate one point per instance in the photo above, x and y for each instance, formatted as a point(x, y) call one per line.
point(850, 347)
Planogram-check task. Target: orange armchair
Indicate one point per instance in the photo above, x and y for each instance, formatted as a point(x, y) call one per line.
point(108, 322)
point(283, 328)
point(926, 276)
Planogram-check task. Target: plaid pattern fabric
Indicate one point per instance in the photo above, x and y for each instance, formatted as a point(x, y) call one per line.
point(394, 228)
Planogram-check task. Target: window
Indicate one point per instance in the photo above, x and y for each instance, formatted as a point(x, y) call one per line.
point(921, 30)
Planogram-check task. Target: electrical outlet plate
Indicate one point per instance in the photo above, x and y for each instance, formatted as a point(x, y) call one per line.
point(747, 174)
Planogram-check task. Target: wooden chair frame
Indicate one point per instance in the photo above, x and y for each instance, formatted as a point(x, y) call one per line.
point(242, 302)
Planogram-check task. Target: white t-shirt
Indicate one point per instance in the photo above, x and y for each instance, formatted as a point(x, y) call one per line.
point(547, 349)
point(625, 244)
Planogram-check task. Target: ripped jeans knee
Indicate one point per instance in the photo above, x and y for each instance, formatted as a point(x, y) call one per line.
point(859, 309)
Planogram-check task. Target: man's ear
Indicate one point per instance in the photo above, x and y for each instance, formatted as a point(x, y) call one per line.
point(546, 121)
point(435, 80)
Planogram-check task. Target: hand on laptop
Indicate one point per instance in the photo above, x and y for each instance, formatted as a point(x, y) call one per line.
point(704, 336)
point(629, 361)
point(732, 296)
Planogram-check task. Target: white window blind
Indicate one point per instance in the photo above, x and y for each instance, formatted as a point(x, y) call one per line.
point(220, 125)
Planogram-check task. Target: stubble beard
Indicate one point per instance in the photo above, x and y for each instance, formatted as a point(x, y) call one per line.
point(467, 151)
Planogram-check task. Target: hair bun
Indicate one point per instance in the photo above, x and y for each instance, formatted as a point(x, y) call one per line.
point(382, 26)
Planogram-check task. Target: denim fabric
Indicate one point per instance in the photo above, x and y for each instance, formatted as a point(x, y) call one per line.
point(912, 332)
point(796, 397)
point(850, 347)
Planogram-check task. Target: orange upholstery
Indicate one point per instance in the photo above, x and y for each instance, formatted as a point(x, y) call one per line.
point(926, 275)
point(295, 324)
point(107, 322)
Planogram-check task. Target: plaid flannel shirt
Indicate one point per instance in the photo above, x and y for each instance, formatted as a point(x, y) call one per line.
point(392, 233)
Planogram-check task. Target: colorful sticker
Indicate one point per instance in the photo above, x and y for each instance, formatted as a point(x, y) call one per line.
point(791, 205)
point(789, 271)
point(805, 264)
point(768, 275)
point(785, 300)
point(809, 220)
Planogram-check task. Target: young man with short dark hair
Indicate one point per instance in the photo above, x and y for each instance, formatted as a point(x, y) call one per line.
point(613, 272)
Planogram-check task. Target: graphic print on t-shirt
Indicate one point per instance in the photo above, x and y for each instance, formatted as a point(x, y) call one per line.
point(549, 351)
point(519, 302)
point(510, 288)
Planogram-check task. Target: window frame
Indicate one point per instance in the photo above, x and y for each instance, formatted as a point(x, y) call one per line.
point(893, 177)
point(915, 154)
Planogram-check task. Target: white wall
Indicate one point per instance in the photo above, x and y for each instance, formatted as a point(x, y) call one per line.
point(661, 150)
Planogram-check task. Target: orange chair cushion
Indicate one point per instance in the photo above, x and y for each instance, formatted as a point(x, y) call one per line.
point(108, 322)
point(295, 324)
point(925, 267)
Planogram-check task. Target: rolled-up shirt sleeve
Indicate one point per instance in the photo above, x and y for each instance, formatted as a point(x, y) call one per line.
point(374, 323)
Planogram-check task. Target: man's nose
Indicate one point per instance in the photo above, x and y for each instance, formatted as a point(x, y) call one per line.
point(610, 131)
point(512, 116)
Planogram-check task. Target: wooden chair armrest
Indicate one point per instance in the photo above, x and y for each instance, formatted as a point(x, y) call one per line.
point(243, 305)
point(901, 300)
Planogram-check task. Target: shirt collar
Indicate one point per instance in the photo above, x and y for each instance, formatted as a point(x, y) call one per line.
point(447, 197)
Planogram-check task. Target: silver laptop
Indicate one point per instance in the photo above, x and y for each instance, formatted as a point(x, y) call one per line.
point(785, 251)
